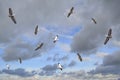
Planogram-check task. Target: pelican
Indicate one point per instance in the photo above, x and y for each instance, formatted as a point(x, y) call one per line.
point(80, 58)
point(55, 39)
point(20, 60)
point(94, 20)
point(8, 66)
point(70, 12)
point(39, 46)
point(12, 16)
point(60, 66)
point(36, 30)
point(108, 36)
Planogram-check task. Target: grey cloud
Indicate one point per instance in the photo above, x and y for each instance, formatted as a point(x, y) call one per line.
point(77, 75)
point(47, 14)
point(57, 57)
point(24, 48)
point(91, 36)
point(50, 67)
point(20, 72)
point(110, 65)
point(48, 70)
point(72, 63)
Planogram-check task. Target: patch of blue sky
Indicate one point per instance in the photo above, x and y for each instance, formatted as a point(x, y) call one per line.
point(108, 49)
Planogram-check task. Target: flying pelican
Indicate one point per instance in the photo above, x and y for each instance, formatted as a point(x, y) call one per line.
point(11, 15)
point(70, 12)
point(20, 60)
point(80, 58)
point(8, 66)
point(36, 30)
point(55, 39)
point(94, 20)
point(108, 36)
point(39, 46)
point(60, 66)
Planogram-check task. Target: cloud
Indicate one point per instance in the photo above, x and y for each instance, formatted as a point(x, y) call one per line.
point(72, 63)
point(48, 70)
point(57, 57)
point(19, 72)
point(24, 48)
point(101, 54)
point(110, 65)
point(77, 75)
point(91, 37)
point(50, 16)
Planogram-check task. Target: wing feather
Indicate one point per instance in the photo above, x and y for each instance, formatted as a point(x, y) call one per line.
point(39, 46)
point(13, 19)
point(10, 11)
point(110, 32)
point(106, 40)
point(80, 58)
point(36, 30)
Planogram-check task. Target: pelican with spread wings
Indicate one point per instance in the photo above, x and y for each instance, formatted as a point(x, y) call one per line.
point(108, 36)
point(11, 15)
point(79, 57)
point(94, 20)
point(70, 12)
point(36, 30)
point(39, 46)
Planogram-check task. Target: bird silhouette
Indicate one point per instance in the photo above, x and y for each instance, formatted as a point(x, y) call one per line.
point(70, 12)
point(79, 57)
point(39, 46)
point(94, 20)
point(12, 16)
point(36, 30)
point(108, 36)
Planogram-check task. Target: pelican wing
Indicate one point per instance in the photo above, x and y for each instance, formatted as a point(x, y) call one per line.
point(80, 58)
point(94, 20)
point(20, 60)
point(106, 40)
point(36, 30)
point(110, 32)
point(71, 11)
point(13, 19)
point(39, 46)
point(10, 11)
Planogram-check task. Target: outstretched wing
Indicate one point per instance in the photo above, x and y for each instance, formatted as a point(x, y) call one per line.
point(106, 40)
point(10, 11)
point(13, 19)
point(80, 58)
point(39, 46)
point(94, 20)
point(71, 11)
point(36, 30)
point(110, 32)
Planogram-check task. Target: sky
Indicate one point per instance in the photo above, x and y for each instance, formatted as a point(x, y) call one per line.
point(76, 34)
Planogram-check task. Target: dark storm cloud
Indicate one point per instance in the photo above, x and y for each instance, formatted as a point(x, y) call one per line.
point(20, 72)
point(110, 65)
point(92, 36)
